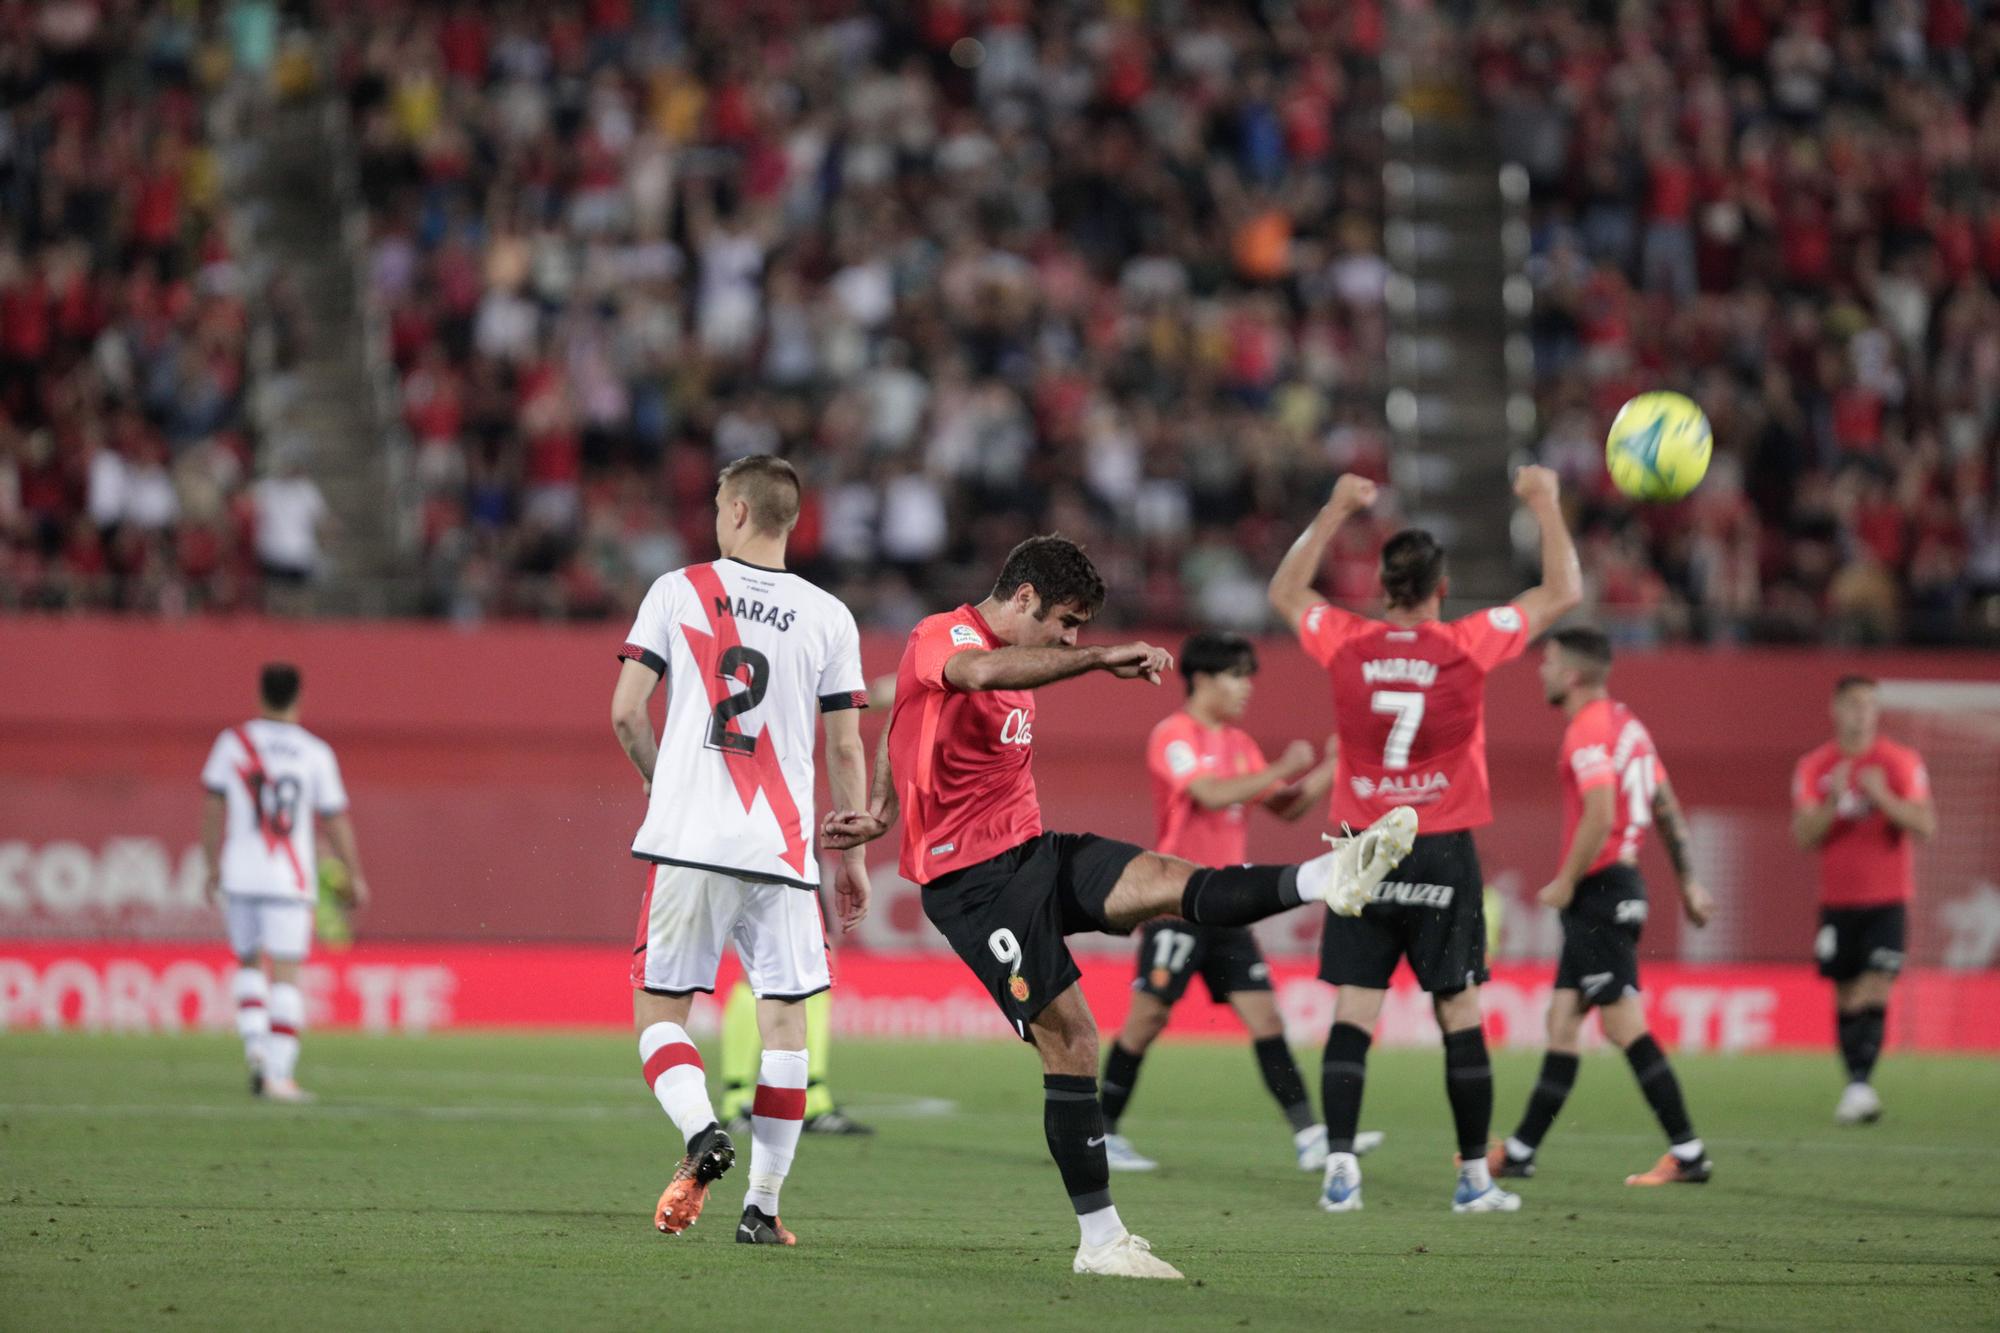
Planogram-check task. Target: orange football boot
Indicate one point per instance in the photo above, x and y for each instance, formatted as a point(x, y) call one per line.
point(708, 1158)
point(1671, 1170)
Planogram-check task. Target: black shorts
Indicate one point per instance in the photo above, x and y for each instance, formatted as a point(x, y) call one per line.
point(1006, 917)
point(1430, 910)
point(1601, 927)
point(1853, 940)
point(1173, 953)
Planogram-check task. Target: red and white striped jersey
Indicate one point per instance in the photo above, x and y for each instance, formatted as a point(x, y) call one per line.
point(751, 657)
point(277, 777)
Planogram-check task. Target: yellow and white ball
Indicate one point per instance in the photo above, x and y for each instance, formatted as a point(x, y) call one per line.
point(1658, 447)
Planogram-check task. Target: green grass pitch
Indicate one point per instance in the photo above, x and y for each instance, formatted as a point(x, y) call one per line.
point(507, 1182)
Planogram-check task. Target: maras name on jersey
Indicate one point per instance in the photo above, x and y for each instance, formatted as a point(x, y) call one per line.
point(749, 608)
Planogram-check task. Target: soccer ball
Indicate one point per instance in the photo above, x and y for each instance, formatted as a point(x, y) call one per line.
point(1658, 447)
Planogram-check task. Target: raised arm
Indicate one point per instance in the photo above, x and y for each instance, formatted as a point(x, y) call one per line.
point(1672, 824)
point(1561, 588)
point(1019, 667)
point(631, 721)
point(1291, 588)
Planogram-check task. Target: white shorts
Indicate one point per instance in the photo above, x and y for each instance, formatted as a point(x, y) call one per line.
point(687, 916)
point(279, 927)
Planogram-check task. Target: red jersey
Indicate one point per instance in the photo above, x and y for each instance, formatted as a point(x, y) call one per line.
point(960, 760)
point(1410, 708)
point(1605, 745)
point(1866, 861)
point(1179, 751)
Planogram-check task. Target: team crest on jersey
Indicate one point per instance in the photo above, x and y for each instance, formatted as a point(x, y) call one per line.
point(1017, 986)
point(1505, 619)
point(964, 636)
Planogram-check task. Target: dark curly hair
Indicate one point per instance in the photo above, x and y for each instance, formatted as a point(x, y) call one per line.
point(1412, 568)
point(1059, 572)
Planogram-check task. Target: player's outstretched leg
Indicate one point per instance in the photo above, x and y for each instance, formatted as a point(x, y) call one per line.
point(1516, 1157)
point(1065, 1035)
point(252, 990)
point(673, 1070)
point(1344, 878)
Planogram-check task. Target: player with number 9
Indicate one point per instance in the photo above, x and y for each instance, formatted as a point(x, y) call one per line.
point(1409, 707)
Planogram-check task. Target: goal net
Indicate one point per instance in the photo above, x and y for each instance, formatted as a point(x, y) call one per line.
point(1955, 726)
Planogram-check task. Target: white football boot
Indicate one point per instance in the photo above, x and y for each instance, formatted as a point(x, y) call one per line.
point(1128, 1256)
point(1859, 1105)
point(1120, 1155)
point(1476, 1192)
point(1340, 1188)
point(1353, 867)
point(1367, 1141)
point(1310, 1145)
point(286, 1090)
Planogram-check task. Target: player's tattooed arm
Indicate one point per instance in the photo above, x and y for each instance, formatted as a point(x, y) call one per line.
point(631, 721)
point(1672, 824)
point(1291, 588)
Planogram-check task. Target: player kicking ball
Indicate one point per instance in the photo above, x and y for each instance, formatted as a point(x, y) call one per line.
point(1614, 788)
point(1206, 772)
point(755, 654)
point(1409, 697)
point(956, 764)
point(267, 780)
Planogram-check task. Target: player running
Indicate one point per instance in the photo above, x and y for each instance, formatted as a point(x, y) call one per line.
point(1862, 800)
point(1205, 772)
point(1614, 788)
point(955, 762)
point(754, 654)
point(268, 781)
point(1409, 703)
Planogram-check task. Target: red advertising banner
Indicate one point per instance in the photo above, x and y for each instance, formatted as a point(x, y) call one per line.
point(415, 989)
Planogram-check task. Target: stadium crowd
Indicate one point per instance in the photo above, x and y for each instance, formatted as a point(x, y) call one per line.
point(127, 458)
point(1792, 212)
point(984, 269)
point(980, 270)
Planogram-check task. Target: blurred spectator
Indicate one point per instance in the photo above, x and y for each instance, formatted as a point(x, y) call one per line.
point(290, 512)
point(1792, 214)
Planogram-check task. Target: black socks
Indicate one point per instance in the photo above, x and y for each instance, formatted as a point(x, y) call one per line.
point(1074, 1124)
point(1661, 1088)
point(1121, 1075)
point(1342, 1075)
point(1861, 1040)
point(1468, 1083)
point(1239, 895)
point(1281, 1076)
point(1551, 1091)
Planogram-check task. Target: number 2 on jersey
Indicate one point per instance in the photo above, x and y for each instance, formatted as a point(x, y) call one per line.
point(732, 706)
point(1407, 706)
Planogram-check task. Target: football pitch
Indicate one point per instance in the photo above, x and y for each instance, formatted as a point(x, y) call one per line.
point(502, 1182)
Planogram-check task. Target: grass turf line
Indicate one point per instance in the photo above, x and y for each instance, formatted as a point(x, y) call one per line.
point(500, 1182)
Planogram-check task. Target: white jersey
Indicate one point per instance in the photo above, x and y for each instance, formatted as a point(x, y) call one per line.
point(751, 657)
point(277, 777)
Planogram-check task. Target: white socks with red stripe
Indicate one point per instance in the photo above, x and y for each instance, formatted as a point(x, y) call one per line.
point(776, 1118)
point(674, 1072)
point(253, 1018)
point(288, 1015)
